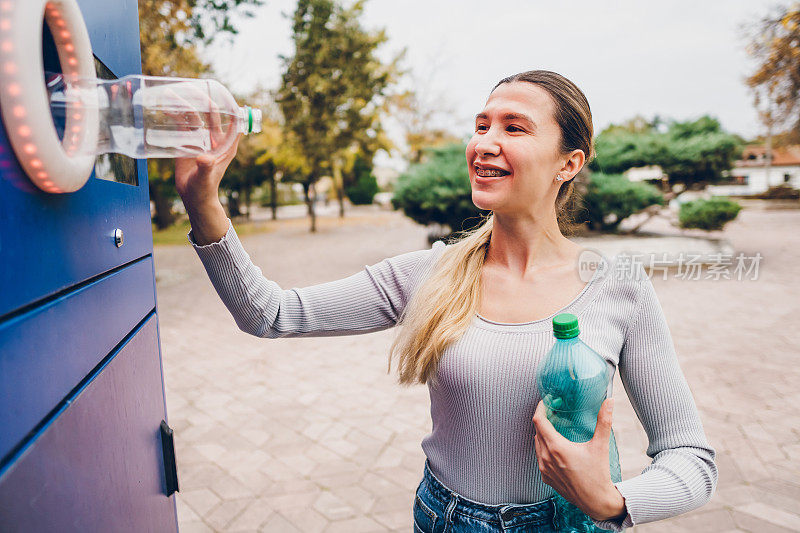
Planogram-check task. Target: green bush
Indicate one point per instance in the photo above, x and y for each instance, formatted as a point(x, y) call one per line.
point(363, 190)
point(709, 215)
point(611, 198)
point(438, 191)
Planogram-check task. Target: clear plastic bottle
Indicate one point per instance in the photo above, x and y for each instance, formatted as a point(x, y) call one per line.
point(574, 380)
point(153, 117)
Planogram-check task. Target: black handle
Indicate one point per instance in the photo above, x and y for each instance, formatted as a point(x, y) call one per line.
point(170, 467)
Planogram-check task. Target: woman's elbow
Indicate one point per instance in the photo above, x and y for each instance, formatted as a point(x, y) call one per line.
point(708, 474)
point(712, 476)
point(256, 328)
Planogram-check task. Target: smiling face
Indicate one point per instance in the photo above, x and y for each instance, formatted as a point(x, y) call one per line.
point(515, 154)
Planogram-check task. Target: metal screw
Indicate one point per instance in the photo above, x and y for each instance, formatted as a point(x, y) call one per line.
point(118, 237)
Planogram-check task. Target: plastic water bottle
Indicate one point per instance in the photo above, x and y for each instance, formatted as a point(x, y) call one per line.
point(574, 380)
point(153, 117)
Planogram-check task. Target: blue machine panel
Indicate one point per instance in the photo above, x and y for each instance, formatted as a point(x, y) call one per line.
point(50, 242)
point(81, 390)
point(114, 30)
point(47, 351)
point(98, 466)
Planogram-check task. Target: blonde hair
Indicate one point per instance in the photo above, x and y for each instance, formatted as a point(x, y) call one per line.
point(442, 308)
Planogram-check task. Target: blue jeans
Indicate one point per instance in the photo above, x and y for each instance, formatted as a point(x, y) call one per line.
point(438, 509)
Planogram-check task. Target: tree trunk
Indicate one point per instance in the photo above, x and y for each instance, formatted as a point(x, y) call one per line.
point(233, 205)
point(652, 211)
point(768, 168)
point(247, 194)
point(164, 217)
point(339, 183)
point(310, 194)
point(273, 197)
point(665, 186)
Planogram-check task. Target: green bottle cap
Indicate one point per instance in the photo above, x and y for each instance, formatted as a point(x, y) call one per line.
point(565, 326)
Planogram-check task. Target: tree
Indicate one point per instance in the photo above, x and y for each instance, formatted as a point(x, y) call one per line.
point(619, 149)
point(331, 93)
point(698, 152)
point(170, 32)
point(261, 158)
point(366, 143)
point(611, 198)
point(415, 114)
point(244, 174)
point(211, 19)
point(692, 153)
point(438, 191)
point(282, 158)
point(775, 45)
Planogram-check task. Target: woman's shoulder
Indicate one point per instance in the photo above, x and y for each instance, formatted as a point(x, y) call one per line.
point(408, 268)
point(411, 268)
point(620, 276)
point(627, 269)
point(416, 258)
point(427, 258)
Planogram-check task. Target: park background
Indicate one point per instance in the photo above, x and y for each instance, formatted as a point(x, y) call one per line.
point(367, 107)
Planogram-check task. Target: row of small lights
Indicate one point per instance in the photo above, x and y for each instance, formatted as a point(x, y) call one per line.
point(63, 40)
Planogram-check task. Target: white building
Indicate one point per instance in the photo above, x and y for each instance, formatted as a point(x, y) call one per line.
point(750, 174)
point(648, 173)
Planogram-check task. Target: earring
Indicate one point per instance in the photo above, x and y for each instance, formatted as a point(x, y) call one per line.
point(559, 177)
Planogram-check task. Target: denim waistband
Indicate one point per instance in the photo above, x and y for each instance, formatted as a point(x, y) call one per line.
point(507, 515)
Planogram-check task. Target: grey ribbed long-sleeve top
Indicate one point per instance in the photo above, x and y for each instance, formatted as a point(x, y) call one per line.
point(481, 444)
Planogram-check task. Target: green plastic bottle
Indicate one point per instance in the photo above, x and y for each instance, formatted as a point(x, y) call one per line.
point(573, 381)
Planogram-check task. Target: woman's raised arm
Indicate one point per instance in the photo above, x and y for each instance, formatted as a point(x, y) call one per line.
point(370, 300)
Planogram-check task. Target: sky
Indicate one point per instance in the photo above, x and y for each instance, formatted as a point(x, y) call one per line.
point(679, 59)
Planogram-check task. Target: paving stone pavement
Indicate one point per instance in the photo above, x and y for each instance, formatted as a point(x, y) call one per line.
point(312, 435)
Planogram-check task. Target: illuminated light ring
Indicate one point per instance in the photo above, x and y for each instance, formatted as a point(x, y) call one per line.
point(26, 113)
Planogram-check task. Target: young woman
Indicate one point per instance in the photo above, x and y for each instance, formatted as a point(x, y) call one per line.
point(476, 319)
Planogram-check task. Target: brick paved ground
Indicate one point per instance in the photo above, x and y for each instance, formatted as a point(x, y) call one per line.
point(312, 435)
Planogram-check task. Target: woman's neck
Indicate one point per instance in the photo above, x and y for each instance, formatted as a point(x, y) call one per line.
point(526, 245)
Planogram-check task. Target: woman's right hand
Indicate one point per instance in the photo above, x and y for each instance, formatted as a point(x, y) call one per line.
point(197, 178)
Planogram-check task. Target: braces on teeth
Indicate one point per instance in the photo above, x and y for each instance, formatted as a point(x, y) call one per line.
point(490, 173)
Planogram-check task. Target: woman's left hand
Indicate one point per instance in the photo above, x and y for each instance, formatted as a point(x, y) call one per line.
point(579, 471)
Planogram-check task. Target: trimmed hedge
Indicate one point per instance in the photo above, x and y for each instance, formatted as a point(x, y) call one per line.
point(711, 214)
